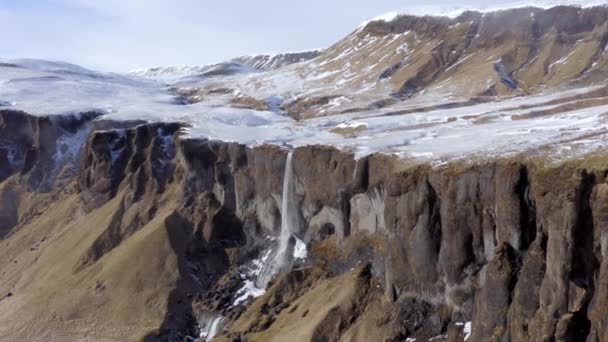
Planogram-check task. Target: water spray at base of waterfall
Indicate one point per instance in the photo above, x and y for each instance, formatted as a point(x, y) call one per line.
point(210, 326)
point(299, 250)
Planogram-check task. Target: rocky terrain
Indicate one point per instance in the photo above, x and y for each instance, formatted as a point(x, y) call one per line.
point(226, 207)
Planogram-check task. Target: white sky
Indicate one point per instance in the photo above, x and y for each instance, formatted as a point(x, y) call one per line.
point(120, 35)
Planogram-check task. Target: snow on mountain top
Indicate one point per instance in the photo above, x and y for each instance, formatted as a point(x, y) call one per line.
point(243, 64)
point(166, 72)
point(173, 74)
point(455, 11)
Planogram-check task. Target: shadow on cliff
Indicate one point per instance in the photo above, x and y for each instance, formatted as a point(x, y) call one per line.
point(584, 261)
point(200, 263)
point(179, 321)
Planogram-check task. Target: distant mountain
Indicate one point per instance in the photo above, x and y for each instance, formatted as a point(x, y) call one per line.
point(244, 64)
point(276, 61)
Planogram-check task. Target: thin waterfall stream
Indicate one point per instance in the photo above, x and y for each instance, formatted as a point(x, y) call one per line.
point(281, 257)
point(286, 221)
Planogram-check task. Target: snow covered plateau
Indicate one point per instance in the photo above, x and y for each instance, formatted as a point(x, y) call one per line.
point(391, 86)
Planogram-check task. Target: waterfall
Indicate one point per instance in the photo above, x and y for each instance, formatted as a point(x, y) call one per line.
point(210, 328)
point(285, 217)
point(280, 259)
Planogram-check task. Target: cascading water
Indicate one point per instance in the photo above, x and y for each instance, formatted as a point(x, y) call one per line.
point(286, 221)
point(210, 327)
point(280, 259)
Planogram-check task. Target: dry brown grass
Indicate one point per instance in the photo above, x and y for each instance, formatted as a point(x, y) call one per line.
point(121, 297)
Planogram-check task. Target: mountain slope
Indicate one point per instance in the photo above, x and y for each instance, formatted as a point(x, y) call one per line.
point(425, 178)
point(430, 60)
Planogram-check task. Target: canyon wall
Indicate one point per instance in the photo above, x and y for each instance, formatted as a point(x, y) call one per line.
point(514, 245)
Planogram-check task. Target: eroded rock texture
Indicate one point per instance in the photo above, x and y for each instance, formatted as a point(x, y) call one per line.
point(141, 218)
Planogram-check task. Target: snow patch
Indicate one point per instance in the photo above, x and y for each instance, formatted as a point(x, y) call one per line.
point(459, 62)
point(251, 274)
point(337, 102)
point(299, 250)
point(421, 154)
point(352, 125)
point(386, 17)
point(467, 329)
point(562, 60)
point(247, 291)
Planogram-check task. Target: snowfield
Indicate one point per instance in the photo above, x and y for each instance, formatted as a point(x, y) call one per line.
point(497, 127)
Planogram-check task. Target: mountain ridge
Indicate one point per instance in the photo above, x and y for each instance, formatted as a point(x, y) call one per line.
point(256, 62)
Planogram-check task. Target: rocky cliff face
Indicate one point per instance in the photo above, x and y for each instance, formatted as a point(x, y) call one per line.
point(151, 234)
point(481, 219)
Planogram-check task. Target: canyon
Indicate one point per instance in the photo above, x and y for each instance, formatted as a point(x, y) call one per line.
point(223, 207)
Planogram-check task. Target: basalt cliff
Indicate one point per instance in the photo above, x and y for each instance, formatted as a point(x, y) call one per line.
point(117, 227)
point(142, 234)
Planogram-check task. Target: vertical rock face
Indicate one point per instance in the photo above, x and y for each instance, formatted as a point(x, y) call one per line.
point(515, 246)
point(42, 149)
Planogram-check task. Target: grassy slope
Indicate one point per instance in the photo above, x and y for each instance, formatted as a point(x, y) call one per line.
point(51, 295)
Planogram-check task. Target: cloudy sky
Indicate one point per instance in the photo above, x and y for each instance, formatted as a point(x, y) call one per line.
point(121, 35)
